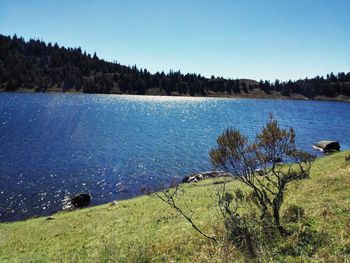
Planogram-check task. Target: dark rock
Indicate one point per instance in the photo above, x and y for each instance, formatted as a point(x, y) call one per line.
point(327, 146)
point(81, 200)
point(185, 179)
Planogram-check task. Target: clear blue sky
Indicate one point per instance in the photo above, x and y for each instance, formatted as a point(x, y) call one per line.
point(258, 39)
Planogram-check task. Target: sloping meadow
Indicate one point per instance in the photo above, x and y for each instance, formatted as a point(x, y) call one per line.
point(145, 229)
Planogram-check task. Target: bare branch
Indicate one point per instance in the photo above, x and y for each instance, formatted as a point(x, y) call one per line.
point(168, 196)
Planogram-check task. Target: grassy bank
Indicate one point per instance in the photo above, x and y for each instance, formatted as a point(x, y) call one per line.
point(145, 230)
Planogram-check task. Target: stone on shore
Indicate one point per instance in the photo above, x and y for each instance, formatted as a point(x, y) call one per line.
point(81, 200)
point(200, 176)
point(327, 146)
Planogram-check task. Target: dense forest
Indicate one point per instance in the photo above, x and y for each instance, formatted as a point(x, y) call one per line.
point(39, 66)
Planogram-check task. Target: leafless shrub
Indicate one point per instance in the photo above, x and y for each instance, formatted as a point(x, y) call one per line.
point(237, 156)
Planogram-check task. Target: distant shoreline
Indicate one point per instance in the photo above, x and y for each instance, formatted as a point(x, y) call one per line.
point(256, 95)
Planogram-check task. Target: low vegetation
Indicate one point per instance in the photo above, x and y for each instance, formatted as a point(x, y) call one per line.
point(252, 216)
point(146, 229)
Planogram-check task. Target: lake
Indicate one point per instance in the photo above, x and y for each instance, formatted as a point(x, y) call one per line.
point(112, 146)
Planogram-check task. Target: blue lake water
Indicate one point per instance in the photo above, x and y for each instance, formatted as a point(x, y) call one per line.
point(57, 145)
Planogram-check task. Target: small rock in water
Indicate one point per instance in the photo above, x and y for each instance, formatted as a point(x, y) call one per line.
point(327, 146)
point(81, 200)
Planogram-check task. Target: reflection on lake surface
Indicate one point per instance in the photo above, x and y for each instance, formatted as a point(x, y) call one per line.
point(56, 145)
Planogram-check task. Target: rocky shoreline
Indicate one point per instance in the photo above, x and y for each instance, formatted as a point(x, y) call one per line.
point(196, 177)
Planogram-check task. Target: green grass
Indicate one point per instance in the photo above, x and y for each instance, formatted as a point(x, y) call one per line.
point(145, 229)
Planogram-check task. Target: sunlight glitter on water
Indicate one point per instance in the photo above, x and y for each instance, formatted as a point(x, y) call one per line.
point(111, 146)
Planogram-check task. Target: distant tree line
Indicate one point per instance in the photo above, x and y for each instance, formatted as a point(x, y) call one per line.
point(36, 65)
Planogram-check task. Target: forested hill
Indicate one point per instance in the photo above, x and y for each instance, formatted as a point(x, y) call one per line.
point(35, 65)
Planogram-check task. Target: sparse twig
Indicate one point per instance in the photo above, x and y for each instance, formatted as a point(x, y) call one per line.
point(168, 196)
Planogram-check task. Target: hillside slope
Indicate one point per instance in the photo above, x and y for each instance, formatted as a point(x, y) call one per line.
point(38, 66)
point(144, 229)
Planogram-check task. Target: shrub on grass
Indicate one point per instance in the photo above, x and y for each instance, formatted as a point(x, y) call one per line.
point(236, 155)
point(252, 219)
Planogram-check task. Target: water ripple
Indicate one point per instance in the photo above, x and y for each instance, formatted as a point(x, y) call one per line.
point(56, 145)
